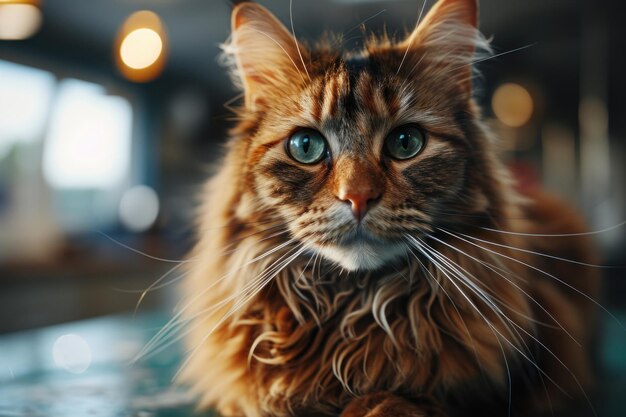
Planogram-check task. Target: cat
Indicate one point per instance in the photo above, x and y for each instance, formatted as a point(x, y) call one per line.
point(362, 251)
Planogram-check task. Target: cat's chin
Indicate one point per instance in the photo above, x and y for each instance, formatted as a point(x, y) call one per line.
point(363, 256)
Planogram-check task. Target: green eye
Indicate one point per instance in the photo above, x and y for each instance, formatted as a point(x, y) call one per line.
point(307, 146)
point(405, 142)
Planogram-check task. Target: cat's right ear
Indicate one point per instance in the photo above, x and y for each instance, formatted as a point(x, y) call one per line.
point(267, 58)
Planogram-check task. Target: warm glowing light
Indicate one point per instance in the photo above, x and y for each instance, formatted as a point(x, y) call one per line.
point(141, 48)
point(139, 208)
point(72, 353)
point(19, 20)
point(512, 104)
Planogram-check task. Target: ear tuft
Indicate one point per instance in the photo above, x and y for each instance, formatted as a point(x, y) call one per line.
point(448, 38)
point(264, 56)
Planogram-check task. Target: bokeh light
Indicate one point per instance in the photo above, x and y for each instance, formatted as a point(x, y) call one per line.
point(512, 104)
point(141, 47)
point(72, 353)
point(139, 208)
point(19, 19)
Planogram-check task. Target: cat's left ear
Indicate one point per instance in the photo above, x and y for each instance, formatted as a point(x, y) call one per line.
point(268, 58)
point(447, 39)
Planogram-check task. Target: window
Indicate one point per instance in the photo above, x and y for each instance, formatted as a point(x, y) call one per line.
point(89, 140)
point(25, 95)
point(65, 158)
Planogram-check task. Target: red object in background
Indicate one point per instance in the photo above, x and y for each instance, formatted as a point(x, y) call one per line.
point(525, 175)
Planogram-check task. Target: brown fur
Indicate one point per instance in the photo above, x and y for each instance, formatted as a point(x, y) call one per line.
point(391, 335)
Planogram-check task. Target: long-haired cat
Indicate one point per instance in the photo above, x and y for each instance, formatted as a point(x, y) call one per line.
point(363, 252)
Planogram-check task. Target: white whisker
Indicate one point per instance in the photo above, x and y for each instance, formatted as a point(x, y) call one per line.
point(543, 273)
point(147, 255)
point(554, 356)
point(155, 285)
point(512, 283)
point(268, 276)
point(168, 334)
point(176, 319)
point(421, 246)
point(469, 334)
point(594, 232)
point(364, 21)
point(492, 57)
point(295, 40)
point(408, 47)
point(283, 49)
point(545, 255)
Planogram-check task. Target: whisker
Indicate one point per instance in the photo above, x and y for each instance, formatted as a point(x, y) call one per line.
point(147, 255)
point(157, 287)
point(408, 47)
point(168, 335)
point(489, 324)
point(544, 273)
point(469, 334)
point(237, 222)
point(535, 339)
point(463, 275)
point(594, 232)
point(238, 241)
point(304, 297)
point(558, 258)
point(512, 283)
point(555, 357)
point(269, 277)
point(443, 262)
point(154, 286)
point(563, 365)
point(493, 56)
point(364, 21)
point(293, 32)
point(227, 103)
point(283, 49)
point(176, 319)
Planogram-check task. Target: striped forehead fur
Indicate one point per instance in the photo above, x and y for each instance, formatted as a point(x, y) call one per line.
point(258, 49)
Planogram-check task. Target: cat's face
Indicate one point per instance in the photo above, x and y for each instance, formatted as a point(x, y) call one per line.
point(355, 152)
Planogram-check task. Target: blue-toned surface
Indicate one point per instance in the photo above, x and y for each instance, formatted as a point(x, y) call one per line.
point(38, 374)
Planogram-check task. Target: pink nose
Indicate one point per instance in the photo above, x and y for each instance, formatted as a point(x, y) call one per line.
point(361, 201)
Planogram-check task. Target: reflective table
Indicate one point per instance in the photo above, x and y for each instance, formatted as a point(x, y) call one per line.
point(85, 369)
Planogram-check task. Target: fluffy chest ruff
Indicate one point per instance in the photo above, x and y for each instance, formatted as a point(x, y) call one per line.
point(316, 337)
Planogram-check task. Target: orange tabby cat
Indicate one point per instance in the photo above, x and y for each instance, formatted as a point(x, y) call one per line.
point(363, 252)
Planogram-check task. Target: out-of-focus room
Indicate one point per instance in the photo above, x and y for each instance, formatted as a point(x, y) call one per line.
point(112, 113)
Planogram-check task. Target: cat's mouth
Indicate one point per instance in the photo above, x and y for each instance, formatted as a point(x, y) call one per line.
point(361, 250)
point(359, 236)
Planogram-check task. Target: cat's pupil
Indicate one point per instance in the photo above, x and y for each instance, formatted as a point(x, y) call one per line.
point(404, 141)
point(306, 143)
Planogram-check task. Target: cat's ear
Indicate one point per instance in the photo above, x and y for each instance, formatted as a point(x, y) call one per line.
point(267, 58)
point(447, 38)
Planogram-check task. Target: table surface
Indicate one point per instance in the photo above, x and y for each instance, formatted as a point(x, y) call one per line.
point(84, 369)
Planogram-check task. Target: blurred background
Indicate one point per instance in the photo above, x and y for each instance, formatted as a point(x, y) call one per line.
point(112, 112)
